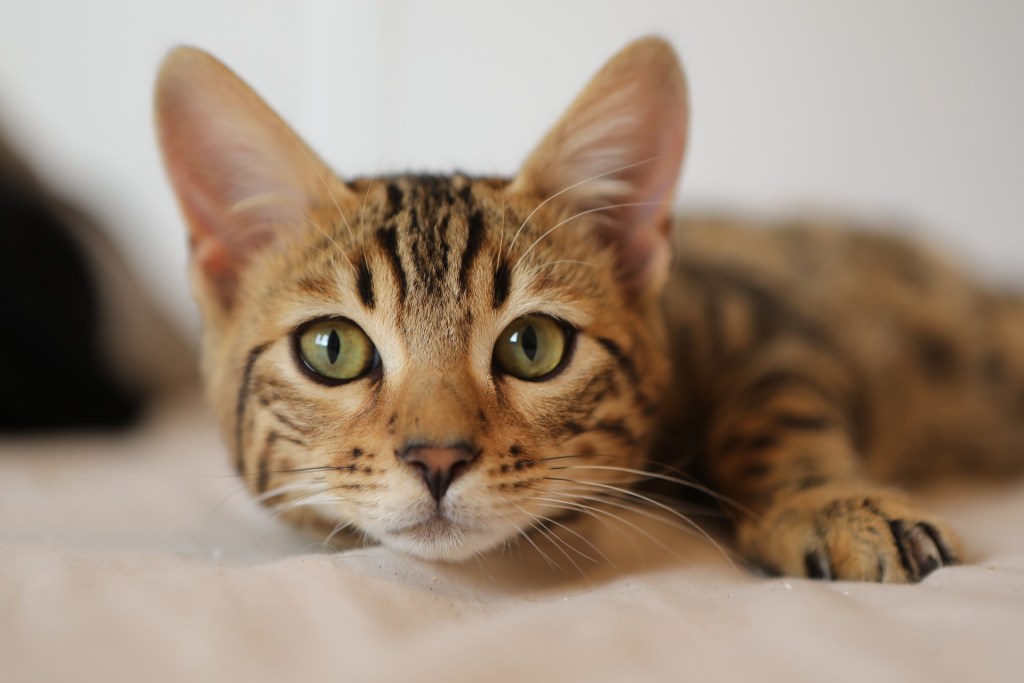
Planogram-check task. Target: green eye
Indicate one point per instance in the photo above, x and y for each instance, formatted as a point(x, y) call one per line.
point(532, 347)
point(335, 349)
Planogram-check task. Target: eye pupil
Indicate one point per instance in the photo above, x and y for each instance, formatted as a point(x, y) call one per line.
point(335, 350)
point(529, 343)
point(531, 347)
point(333, 347)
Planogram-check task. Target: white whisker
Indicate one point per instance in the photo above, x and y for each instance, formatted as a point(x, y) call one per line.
point(726, 500)
point(549, 520)
point(696, 527)
point(524, 534)
point(580, 214)
point(618, 518)
point(571, 187)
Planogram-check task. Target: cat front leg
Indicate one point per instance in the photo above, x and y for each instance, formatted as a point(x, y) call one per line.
point(784, 443)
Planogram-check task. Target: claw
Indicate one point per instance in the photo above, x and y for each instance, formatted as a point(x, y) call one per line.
point(921, 549)
point(817, 566)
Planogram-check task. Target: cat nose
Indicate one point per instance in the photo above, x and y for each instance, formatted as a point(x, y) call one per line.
point(438, 465)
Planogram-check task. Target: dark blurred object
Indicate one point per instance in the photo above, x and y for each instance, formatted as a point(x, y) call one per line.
point(58, 369)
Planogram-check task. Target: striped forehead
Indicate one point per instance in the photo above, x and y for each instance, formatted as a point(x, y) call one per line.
point(429, 234)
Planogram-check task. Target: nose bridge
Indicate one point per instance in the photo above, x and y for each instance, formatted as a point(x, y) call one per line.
point(437, 407)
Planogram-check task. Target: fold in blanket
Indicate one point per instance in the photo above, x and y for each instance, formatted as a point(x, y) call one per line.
point(137, 558)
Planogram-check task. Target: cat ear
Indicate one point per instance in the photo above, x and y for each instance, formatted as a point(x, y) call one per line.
point(241, 175)
point(617, 153)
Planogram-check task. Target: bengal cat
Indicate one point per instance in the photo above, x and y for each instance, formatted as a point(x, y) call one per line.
point(441, 362)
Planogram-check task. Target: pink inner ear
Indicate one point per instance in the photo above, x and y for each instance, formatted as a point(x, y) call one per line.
point(632, 117)
point(242, 177)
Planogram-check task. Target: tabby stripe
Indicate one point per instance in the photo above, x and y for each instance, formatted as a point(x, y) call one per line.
point(616, 428)
point(711, 308)
point(387, 238)
point(769, 314)
point(304, 430)
point(263, 467)
point(768, 385)
point(364, 282)
point(243, 398)
point(808, 423)
point(783, 422)
point(745, 444)
point(396, 199)
point(474, 240)
point(937, 356)
point(624, 361)
point(502, 284)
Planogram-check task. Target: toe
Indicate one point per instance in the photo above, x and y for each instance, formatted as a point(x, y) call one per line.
point(921, 548)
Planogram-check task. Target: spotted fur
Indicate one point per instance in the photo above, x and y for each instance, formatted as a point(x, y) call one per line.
point(788, 368)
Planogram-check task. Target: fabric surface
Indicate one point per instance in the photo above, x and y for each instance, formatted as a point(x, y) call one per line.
point(137, 558)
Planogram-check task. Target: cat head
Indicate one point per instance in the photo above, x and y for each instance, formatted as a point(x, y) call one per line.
point(439, 362)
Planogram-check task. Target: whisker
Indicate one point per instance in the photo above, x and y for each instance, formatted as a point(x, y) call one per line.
point(572, 506)
point(332, 240)
point(338, 528)
point(571, 187)
point(205, 532)
point(696, 527)
point(283, 489)
point(580, 214)
point(294, 503)
point(549, 520)
point(636, 508)
point(522, 532)
point(640, 530)
point(653, 463)
point(559, 262)
point(237, 475)
point(726, 500)
point(558, 544)
point(316, 169)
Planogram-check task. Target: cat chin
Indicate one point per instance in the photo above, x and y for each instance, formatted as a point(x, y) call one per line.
point(442, 543)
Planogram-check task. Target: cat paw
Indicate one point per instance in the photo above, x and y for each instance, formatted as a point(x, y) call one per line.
point(849, 534)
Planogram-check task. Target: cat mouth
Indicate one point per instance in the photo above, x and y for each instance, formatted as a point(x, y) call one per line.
point(439, 538)
point(435, 528)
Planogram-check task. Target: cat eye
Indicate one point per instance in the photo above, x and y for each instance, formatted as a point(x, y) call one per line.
point(335, 350)
point(532, 347)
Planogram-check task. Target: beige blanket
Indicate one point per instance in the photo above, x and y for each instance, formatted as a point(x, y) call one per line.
point(136, 558)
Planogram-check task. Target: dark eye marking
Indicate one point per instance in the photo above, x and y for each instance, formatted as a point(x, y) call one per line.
point(502, 284)
point(364, 283)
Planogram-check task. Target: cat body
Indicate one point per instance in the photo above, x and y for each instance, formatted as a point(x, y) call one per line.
point(444, 362)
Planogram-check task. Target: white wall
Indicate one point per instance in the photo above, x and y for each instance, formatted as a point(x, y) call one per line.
point(908, 108)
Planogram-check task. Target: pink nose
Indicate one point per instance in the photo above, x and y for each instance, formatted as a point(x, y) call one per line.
point(438, 465)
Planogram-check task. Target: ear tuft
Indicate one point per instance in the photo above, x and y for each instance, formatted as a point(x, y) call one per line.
point(620, 145)
point(240, 173)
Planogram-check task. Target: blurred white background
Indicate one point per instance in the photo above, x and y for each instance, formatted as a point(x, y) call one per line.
point(910, 109)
